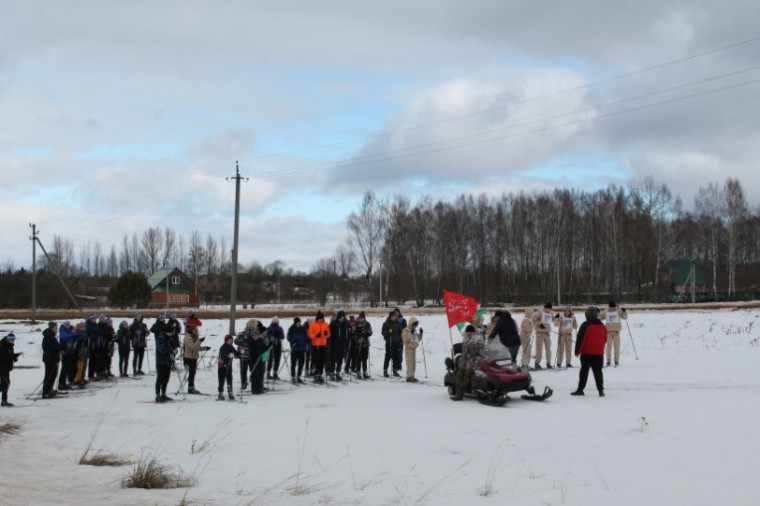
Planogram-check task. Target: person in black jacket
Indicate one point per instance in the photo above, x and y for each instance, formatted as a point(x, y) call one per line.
point(258, 345)
point(227, 353)
point(51, 356)
point(123, 340)
point(139, 332)
point(337, 345)
point(362, 332)
point(394, 346)
point(166, 347)
point(298, 339)
point(7, 359)
point(276, 335)
point(506, 329)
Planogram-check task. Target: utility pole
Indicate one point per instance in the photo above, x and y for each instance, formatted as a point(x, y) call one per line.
point(34, 272)
point(233, 295)
point(36, 239)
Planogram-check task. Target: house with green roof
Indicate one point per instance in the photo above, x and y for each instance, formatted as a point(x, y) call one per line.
point(680, 274)
point(172, 288)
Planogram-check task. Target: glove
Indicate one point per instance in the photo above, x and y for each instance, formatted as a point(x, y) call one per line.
point(541, 326)
point(231, 356)
point(421, 331)
point(622, 309)
point(265, 357)
point(205, 348)
point(201, 339)
point(556, 315)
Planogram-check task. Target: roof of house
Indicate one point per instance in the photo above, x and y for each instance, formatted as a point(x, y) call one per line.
point(159, 276)
point(680, 270)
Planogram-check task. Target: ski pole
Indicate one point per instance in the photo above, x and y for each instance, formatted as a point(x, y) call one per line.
point(424, 360)
point(632, 342)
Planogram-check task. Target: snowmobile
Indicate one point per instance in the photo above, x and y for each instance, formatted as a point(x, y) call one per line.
point(496, 377)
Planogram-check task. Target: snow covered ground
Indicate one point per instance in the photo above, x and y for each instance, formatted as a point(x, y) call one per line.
point(678, 426)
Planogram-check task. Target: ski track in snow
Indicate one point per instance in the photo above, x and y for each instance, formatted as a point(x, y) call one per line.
point(678, 426)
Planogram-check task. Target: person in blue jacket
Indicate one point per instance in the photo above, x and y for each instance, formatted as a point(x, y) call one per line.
point(167, 345)
point(276, 336)
point(68, 354)
point(298, 338)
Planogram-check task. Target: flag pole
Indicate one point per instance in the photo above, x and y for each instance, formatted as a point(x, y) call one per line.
point(451, 338)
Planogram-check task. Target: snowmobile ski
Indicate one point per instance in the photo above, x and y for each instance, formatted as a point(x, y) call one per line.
point(533, 396)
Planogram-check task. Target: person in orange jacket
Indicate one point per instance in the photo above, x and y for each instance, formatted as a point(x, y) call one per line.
point(319, 333)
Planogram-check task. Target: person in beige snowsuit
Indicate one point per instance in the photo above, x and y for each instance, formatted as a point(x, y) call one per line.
point(612, 319)
point(566, 323)
point(543, 322)
point(411, 337)
point(526, 330)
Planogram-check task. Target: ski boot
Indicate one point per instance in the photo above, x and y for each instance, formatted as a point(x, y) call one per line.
point(6, 404)
point(220, 397)
point(230, 397)
point(192, 390)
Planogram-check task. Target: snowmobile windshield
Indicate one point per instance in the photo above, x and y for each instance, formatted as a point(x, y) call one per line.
point(494, 350)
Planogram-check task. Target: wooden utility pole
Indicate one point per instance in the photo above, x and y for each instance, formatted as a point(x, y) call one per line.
point(34, 272)
point(233, 294)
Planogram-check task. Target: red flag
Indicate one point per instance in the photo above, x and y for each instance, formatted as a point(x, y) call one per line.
point(459, 308)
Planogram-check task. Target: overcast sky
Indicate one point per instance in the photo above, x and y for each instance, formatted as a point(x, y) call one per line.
point(120, 116)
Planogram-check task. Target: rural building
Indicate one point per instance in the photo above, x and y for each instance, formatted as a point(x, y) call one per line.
point(175, 286)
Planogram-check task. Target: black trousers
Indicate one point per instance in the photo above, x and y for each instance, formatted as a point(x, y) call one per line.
point(192, 367)
point(296, 363)
point(595, 363)
point(137, 359)
point(393, 354)
point(5, 384)
point(225, 375)
point(163, 373)
point(245, 364)
point(68, 362)
point(362, 355)
point(257, 374)
point(318, 355)
point(123, 360)
point(274, 359)
point(51, 373)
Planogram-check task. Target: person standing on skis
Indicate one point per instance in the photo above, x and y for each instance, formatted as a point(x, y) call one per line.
point(566, 323)
point(51, 356)
point(543, 321)
point(258, 349)
point(411, 337)
point(526, 329)
point(319, 335)
point(612, 319)
point(336, 348)
point(166, 347)
point(391, 332)
point(192, 346)
point(362, 333)
point(7, 358)
point(298, 338)
point(227, 353)
point(241, 340)
point(276, 336)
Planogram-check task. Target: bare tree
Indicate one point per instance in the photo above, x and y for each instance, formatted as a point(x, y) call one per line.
point(195, 255)
point(367, 230)
point(708, 203)
point(170, 245)
point(98, 260)
point(735, 210)
point(112, 268)
point(152, 246)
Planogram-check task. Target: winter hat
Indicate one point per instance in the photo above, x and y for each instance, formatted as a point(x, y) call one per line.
point(351, 319)
point(548, 305)
point(320, 316)
point(497, 313)
point(173, 316)
point(52, 325)
point(66, 324)
point(162, 316)
point(612, 304)
point(227, 338)
point(568, 308)
point(109, 321)
point(93, 317)
point(470, 328)
point(101, 317)
point(252, 323)
point(11, 337)
point(190, 312)
point(275, 319)
point(124, 323)
point(592, 313)
point(362, 315)
point(138, 316)
point(506, 313)
point(296, 320)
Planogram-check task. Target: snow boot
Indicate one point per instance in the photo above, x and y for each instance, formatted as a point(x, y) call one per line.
point(166, 398)
point(294, 381)
point(6, 404)
point(549, 366)
point(577, 392)
point(601, 393)
point(230, 397)
point(192, 390)
point(158, 399)
point(537, 366)
point(608, 363)
point(396, 374)
point(366, 376)
point(385, 373)
point(220, 397)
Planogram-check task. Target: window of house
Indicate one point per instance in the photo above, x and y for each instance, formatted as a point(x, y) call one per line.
point(175, 280)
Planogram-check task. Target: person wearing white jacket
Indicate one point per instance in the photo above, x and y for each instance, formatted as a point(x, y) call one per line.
point(411, 337)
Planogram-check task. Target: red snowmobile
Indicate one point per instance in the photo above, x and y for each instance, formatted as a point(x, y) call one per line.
point(496, 377)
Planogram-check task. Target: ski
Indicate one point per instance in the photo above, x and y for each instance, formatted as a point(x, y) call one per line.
point(533, 396)
point(30, 405)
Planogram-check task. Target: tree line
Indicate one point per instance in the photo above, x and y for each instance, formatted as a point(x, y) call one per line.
point(563, 245)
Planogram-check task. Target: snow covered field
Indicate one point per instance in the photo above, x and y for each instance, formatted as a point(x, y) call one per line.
point(678, 426)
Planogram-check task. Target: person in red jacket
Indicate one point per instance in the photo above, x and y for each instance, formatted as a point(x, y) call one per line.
point(589, 345)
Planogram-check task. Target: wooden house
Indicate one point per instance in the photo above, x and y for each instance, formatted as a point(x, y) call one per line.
point(173, 288)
